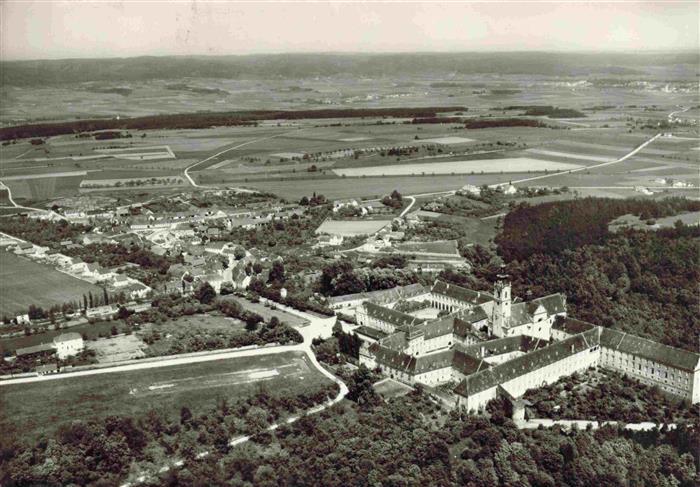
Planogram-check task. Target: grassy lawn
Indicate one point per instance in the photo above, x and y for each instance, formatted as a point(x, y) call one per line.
point(40, 408)
point(24, 282)
point(267, 313)
point(195, 325)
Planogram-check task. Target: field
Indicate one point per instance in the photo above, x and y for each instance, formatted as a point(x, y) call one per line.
point(23, 282)
point(448, 154)
point(340, 188)
point(42, 407)
point(506, 165)
point(115, 349)
point(352, 228)
point(633, 221)
point(390, 388)
point(267, 313)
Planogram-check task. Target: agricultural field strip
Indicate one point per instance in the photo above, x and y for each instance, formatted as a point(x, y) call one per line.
point(187, 169)
point(46, 175)
point(621, 159)
point(568, 155)
point(516, 164)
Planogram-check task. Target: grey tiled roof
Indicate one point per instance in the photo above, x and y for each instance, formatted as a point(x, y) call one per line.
point(649, 349)
point(391, 316)
point(461, 293)
point(506, 371)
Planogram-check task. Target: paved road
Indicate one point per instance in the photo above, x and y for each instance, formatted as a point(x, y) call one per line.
point(583, 424)
point(583, 168)
point(318, 326)
point(408, 208)
point(188, 168)
point(14, 204)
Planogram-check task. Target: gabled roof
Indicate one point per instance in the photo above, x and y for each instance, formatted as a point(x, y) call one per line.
point(554, 303)
point(370, 332)
point(649, 349)
point(438, 328)
point(506, 371)
point(461, 293)
point(44, 347)
point(571, 326)
point(384, 295)
point(390, 316)
point(499, 346)
point(67, 337)
point(467, 364)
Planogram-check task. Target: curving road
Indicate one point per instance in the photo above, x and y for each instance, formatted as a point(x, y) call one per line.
point(315, 328)
point(15, 205)
point(192, 166)
point(582, 168)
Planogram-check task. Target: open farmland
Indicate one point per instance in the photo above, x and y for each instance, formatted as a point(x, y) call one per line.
point(351, 228)
point(23, 282)
point(42, 407)
point(510, 165)
point(338, 188)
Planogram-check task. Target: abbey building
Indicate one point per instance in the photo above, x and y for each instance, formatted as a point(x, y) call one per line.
point(488, 344)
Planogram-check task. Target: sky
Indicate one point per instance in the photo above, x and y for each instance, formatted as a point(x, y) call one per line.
point(95, 29)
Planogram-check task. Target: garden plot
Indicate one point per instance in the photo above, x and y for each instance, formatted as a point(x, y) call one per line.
point(508, 165)
point(570, 155)
point(119, 348)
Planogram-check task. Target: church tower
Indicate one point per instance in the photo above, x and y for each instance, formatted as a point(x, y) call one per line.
point(501, 310)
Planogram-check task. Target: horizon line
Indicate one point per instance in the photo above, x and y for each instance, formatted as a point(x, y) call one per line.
point(367, 53)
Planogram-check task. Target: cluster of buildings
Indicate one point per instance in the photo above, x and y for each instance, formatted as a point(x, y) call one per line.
point(484, 345)
point(429, 257)
point(109, 278)
point(65, 345)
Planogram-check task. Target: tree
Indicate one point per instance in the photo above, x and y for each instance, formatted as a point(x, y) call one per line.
point(256, 420)
point(277, 273)
point(226, 288)
point(205, 293)
point(360, 387)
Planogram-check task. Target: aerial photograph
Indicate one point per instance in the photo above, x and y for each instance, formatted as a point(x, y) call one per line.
point(349, 243)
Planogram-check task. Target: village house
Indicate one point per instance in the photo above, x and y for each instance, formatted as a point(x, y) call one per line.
point(68, 344)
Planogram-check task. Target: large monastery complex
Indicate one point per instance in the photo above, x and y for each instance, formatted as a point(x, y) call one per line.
point(484, 345)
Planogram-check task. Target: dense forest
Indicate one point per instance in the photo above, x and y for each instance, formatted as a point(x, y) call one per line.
point(209, 119)
point(642, 282)
point(553, 227)
point(406, 442)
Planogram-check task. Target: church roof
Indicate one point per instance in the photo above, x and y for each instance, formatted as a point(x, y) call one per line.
point(649, 349)
point(554, 303)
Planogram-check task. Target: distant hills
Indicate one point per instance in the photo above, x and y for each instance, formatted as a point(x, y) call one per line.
point(289, 66)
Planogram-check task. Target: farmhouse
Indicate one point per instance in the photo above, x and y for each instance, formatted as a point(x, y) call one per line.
point(68, 344)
